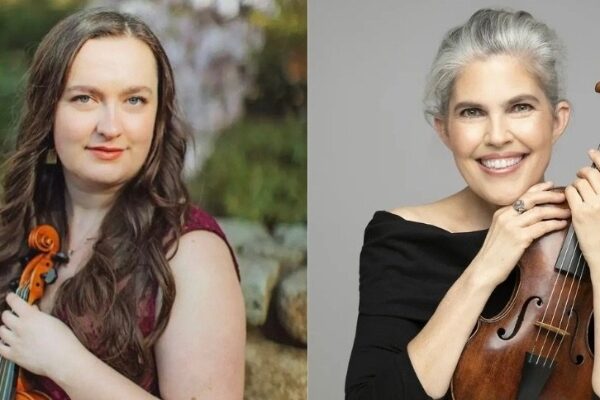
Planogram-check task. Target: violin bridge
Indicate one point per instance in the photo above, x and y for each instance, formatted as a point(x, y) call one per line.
point(552, 328)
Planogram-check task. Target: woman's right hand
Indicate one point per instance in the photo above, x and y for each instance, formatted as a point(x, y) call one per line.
point(512, 232)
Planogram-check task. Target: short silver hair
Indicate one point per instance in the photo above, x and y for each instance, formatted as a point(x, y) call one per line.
point(493, 32)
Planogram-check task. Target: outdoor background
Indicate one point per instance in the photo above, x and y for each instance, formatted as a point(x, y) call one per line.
point(240, 69)
point(371, 148)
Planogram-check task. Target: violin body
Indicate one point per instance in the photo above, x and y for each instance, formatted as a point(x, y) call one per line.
point(24, 393)
point(537, 347)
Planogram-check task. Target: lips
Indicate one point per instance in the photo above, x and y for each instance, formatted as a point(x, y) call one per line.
point(106, 153)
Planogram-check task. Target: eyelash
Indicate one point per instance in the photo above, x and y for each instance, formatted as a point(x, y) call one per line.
point(467, 111)
point(80, 98)
point(516, 106)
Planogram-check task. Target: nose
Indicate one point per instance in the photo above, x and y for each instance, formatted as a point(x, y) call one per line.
point(109, 124)
point(498, 132)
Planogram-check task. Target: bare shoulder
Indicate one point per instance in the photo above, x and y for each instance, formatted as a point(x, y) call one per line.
point(201, 252)
point(424, 213)
point(445, 214)
point(200, 354)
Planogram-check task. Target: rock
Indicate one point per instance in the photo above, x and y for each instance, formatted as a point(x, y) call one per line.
point(289, 258)
point(291, 235)
point(259, 277)
point(291, 304)
point(274, 371)
point(240, 232)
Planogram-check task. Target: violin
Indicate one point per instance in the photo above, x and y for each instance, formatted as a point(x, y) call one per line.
point(538, 347)
point(38, 272)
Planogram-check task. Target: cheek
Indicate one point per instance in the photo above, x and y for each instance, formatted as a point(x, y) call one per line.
point(70, 127)
point(464, 140)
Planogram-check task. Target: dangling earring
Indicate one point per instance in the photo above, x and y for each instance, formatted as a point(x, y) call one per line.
point(51, 157)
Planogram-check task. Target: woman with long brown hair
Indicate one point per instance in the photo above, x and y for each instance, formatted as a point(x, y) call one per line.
point(148, 303)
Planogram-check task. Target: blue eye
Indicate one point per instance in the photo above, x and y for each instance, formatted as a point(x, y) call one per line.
point(136, 100)
point(82, 98)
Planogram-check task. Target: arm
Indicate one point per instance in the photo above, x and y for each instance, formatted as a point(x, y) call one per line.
point(200, 354)
point(434, 353)
point(379, 367)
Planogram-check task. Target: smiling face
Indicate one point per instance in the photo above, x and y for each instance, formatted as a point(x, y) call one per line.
point(105, 118)
point(501, 128)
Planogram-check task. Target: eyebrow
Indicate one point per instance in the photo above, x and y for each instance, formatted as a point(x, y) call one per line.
point(513, 100)
point(93, 90)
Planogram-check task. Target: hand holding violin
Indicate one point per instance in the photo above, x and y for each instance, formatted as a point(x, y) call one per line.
point(512, 231)
point(583, 196)
point(35, 340)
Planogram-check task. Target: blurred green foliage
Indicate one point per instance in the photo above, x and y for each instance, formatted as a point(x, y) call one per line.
point(257, 171)
point(23, 23)
point(259, 165)
point(281, 77)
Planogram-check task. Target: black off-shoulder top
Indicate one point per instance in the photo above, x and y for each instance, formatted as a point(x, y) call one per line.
point(406, 268)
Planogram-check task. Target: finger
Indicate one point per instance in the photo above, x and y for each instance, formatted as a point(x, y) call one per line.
point(595, 156)
point(17, 304)
point(533, 199)
point(9, 319)
point(540, 186)
point(6, 335)
point(592, 175)
point(5, 351)
point(541, 213)
point(573, 197)
point(544, 227)
point(585, 189)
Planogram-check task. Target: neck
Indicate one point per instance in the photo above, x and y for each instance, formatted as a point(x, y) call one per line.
point(474, 209)
point(85, 211)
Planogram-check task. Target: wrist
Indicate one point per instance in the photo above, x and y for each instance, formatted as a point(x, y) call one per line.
point(478, 278)
point(72, 367)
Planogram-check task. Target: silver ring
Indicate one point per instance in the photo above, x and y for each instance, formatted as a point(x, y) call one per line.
point(519, 206)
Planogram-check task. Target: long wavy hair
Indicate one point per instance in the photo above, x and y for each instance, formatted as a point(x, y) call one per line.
point(129, 261)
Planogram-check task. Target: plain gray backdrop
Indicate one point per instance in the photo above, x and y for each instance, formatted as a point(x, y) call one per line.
point(370, 147)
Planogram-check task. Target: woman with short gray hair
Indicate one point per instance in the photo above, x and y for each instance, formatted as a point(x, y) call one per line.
point(428, 272)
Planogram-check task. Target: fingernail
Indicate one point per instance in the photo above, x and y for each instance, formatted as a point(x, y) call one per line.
point(592, 151)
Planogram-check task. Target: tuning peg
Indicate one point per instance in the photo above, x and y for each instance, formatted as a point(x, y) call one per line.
point(597, 88)
point(60, 258)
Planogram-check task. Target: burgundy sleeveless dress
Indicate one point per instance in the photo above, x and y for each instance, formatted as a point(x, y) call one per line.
point(196, 219)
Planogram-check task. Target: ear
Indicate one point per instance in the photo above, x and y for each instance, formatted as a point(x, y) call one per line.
point(562, 114)
point(440, 127)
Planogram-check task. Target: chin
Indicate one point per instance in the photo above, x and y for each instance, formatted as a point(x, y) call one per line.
point(503, 199)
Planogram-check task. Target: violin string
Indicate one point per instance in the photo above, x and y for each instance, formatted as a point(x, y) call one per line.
point(579, 262)
point(566, 302)
point(545, 312)
point(583, 264)
point(556, 303)
point(562, 262)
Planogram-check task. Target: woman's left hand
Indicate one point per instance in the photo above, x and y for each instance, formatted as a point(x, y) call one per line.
point(34, 340)
point(583, 196)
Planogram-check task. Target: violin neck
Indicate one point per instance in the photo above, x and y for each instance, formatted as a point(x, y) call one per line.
point(570, 259)
point(8, 369)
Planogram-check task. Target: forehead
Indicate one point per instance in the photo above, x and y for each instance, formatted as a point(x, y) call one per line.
point(495, 78)
point(114, 61)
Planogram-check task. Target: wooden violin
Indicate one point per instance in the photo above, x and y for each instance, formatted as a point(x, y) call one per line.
point(38, 272)
point(537, 347)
